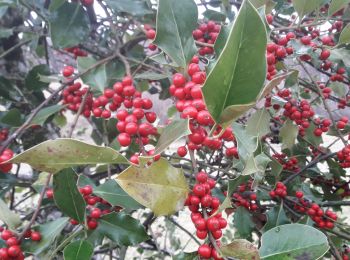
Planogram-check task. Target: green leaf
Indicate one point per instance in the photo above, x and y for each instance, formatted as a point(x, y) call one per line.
point(49, 232)
point(340, 55)
point(134, 7)
point(288, 133)
point(96, 78)
point(32, 80)
point(13, 118)
point(175, 22)
point(293, 241)
point(56, 4)
point(259, 123)
point(240, 249)
point(214, 15)
point(151, 76)
point(5, 32)
point(275, 217)
point(8, 217)
point(160, 187)
point(344, 37)
point(186, 256)
point(69, 25)
point(304, 7)
point(78, 250)
point(339, 88)
point(67, 196)
point(44, 113)
point(240, 82)
point(171, 133)
point(55, 155)
point(243, 223)
point(122, 229)
point(161, 58)
point(7, 90)
point(115, 195)
point(336, 5)
point(274, 83)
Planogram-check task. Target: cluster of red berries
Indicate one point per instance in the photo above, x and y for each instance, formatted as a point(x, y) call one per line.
point(322, 126)
point(191, 105)
point(76, 51)
point(13, 250)
point(345, 252)
point(203, 205)
point(290, 164)
point(95, 212)
point(150, 35)
point(6, 155)
point(206, 33)
point(315, 212)
point(342, 122)
point(245, 197)
point(73, 96)
point(4, 133)
point(279, 191)
point(344, 157)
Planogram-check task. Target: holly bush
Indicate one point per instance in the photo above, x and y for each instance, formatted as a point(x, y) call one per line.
point(142, 129)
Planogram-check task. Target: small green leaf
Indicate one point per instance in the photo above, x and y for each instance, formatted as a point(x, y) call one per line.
point(240, 83)
point(275, 217)
point(214, 15)
point(175, 22)
point(5, 32)
point(44, 113)
point(122, 229)
point(7, 216)
point(67, 196)
point(32, 80)
point(69, 25)
point(336, 5)
point(56, 4)
point(96, 78)
point(115, 195)
point(288, 133)
point(160, 187)
point(55, 155)
point(240, 249)
point(78, 250)
point(339, 88)
point(151, 76)
point(304, 7)
point(344, 37)
point(134, 7)
point(186, 256)
point(13, 118)
point(259, 123)
point(243, 223)
point(293, 241)
point(171, 133)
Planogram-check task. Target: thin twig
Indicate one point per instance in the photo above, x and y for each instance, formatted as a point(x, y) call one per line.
point(185, 230)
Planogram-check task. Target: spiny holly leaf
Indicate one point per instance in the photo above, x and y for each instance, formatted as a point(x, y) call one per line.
point(293, 241)
point(240, 82)
point(67, 196)
point(243, 223)
point(78, 250)
point(175, 22)
point(336, 5)
point(288, 133)
point(114, 194)
point(55, 155)
point(95, 78)
point(44, 113)
point(240, 249)
point(344, 37)
point(275, 217)
point(69, 25)
point(259, 123)
point(32, 80)
point(160, 187)
point(9, 217)
point(171, 133)
point(304, 7)
point(122, 229)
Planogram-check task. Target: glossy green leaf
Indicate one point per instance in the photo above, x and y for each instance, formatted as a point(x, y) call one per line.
point(78, 250)
point(336, 5)
point(293, 241)
point(44, 113)
point(13, 118)
point(67, 196)
point(243, 223)
point(151, 76)
point(240, 82)
point(171, 133)
point(304, 7)
point(32, 80)
point(288, 133)
point(8, 217)
point(259, 123)
point(115, 195)
point(55, 155)
point(122, 229)
point(69, 25)
point(96, 78)
point(134, 7)
point(175, 22)
point(214, 15)
point(240, 249)
point(344, 37)
point(275, 217)
point(49, 231)
point(160, 187)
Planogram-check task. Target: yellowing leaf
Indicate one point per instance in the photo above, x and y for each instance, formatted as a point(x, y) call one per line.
point(289, 133)
point(240, 249)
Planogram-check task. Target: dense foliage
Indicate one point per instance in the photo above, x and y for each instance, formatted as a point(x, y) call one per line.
point(141, 129)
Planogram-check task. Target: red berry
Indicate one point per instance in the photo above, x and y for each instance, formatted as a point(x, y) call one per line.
point(12, 241)
point(204, 251)
point(92, 224)
point(200, 224)
point(299, 194)
point(86, 190)
point(124, 139)
point(202, 177)
point(67, 71)
point(49, 193)
point(201, 234)
point(179, 80)
point(14, 251)
point(35, 236)
point(95, 213)
point(182, 151)
point(199, 190)
point(151, 34)
point(213, 224)
point(6, 234)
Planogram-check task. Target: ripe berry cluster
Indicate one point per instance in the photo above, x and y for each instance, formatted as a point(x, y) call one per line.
point(6, 155)
point(279, 191)
point(13, 250)
point(202, 204)
point(290, 164)
point(342, 122)
point(4, 133)
point(245, 197)
point(76, 51)
point(322, 219)
point(206, 33)
point(150, 34)
point(322, 126)
point(73, 96)
point(344, 157)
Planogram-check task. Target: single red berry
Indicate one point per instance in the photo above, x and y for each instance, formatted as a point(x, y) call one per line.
point(200, 224)
point(6, 234)
point(124, 139)
point(299, 194)
point(87, 190)
point(182, 151)
point(14, 251)
point(204, 251)
point(12, 241)
point(151, 34)
point(49, 193)
point(201, 234)
point(67, 71)
point(35, 236)
point(92, 224)
point(95, 213)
